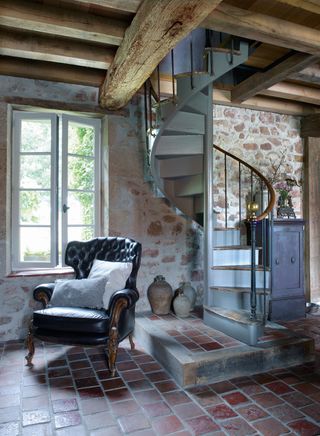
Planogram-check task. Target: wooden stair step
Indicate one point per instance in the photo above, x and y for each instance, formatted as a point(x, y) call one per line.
point(237, 289)
point(235, 247)
point(239, 267)
point(239, 316)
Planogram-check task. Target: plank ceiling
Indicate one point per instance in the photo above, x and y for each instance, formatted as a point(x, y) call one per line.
point(76, 41)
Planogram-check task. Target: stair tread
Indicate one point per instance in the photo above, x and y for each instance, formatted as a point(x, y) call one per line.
point(235, 247)
point(220, 229)
point(237, 289)
point(240, 315)
point(238, 267)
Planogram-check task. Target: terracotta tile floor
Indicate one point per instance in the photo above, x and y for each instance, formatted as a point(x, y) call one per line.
point(69, 392)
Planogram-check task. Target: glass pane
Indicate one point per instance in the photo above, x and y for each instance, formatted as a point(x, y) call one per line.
point(35, 171)
point(80, 173)
point(34, 207)
point(35, 135)
point(35, 244)
point(80, 139)
point(80, 233)
point(81, 208)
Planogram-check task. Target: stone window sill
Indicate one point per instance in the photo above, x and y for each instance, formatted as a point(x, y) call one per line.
point(41, 272)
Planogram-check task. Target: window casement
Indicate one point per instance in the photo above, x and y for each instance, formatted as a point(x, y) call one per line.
point(55, 185)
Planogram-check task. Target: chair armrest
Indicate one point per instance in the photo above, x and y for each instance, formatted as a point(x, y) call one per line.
point(43, 293)
point(130, 295)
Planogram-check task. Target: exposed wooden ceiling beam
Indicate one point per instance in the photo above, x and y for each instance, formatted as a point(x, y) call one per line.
point(156, 28)
point(292, 91)
point(260, 81)
point(309, 75)
point(51, 71)
point(64, 51)
point(116, 5)
point(37, 17)
point(264, 28)
point(264, 104)
point(308, 5)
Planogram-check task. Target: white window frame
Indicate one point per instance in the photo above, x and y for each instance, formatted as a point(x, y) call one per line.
point(56, 208)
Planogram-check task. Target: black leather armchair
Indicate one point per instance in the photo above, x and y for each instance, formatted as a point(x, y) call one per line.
point(72, 325)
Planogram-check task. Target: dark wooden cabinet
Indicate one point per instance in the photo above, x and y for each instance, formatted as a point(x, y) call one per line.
point(287, 276)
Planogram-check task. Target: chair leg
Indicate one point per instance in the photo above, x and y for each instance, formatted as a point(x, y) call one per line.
point(113, 350)
point(30, 346)
point(132, 344)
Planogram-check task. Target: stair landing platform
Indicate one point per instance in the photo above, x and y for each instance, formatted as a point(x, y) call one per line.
point(194, 353)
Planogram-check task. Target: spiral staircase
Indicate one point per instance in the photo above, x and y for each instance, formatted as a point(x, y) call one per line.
point(182, 158)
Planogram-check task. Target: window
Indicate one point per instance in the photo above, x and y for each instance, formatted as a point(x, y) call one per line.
point(55, 185)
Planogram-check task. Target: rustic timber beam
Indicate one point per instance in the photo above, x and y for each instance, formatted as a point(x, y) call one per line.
point(295, 92)
point(51, 71)
point(309, 75)
point(37, 17)
point(307, 5)
point(50, 49)
point(264, 28)
point(116, 5)
point(260, 81)
point(310, 126)
point(156, 28)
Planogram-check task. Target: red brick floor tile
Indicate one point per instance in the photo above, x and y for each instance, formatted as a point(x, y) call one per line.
point(86, 382)
point(133, 422)
point(67, 419)
point(90, 392)
point(202, 425)
point(144, 358)
point(187, 410)
point(222, 387)
point(250, 387)
point(211, 346)
point(296, 399)
point(285, 413)
point(289, 378)
point(278, 387)
point(82, 373)
point(176, 397)
point(271, 427)
point(221, 411)
point(125, 407)
point(166, 425)
point(61, 382)
point(58, 372)
point(10, 429)
point(65, 393)
point(64, 405)
point(42, 430)
point(100, 420)
point(306, 388)
point(93, 405)
point(125, 366)
point(106, 431)
point(118, 395)
point(267, 399)
point(147, 397)
point(158, 376)
point(32, 417)
point(132, 375)
point(35, 403)
point(237, 427)
point(166, 386)
point(313, 410)
point(150, 367)
point(139, 385)
point(263, 378)
point(251, 412)
point(112, 383)
point(304, 427)
point(207, 399)
point(80, 364)
point(235, 398)
point(157, 409)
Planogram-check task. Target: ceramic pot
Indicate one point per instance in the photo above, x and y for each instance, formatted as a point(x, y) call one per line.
point(189, 292)
point(181, 305)
point(160, 296)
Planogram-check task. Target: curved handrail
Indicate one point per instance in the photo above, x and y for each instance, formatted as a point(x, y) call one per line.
point(272, 198)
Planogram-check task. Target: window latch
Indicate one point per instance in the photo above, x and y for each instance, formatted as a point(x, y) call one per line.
point(65, 208)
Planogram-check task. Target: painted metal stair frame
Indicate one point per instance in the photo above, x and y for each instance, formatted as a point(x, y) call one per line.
point(181, 164)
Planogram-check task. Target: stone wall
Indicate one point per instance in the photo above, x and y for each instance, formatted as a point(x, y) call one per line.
point(172, 245)
point(259, 138)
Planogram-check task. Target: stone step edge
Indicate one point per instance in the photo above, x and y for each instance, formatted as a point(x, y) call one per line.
point(259, 291)
point(234, 247)
point(239, 268)
point(238, 316)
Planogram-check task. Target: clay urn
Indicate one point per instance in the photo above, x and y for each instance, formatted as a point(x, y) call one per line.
point(160, 296)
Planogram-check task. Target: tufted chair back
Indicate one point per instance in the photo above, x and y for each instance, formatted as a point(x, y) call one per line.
point(80, 255)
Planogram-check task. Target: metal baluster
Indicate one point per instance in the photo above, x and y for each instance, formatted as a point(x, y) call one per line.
point(264, 263)
point(150, 110)
point(253, 295)
point(251, 186)
point(225, 191)
point(146, 115)
point(240, 193)
point(158, 80)
point(172, 75)
point(191, 63)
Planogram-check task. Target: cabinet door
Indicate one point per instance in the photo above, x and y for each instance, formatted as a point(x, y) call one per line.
point(287, 274)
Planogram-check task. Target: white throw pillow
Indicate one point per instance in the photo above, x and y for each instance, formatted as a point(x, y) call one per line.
point(116, 274)
point(79, 293)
